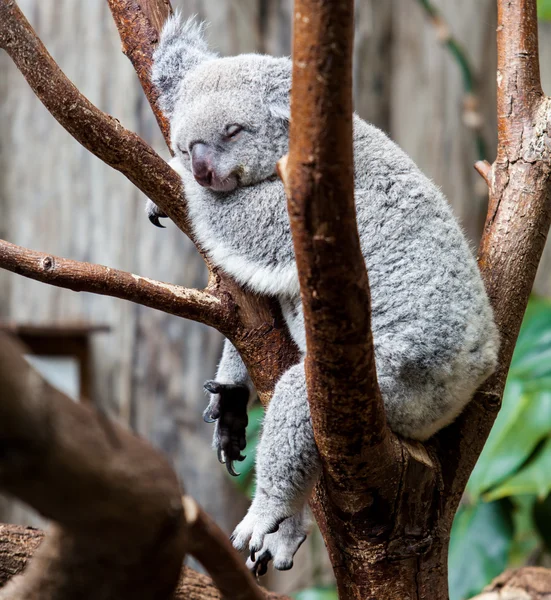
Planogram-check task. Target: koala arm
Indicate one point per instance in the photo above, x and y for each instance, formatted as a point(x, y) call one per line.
point(230, 395)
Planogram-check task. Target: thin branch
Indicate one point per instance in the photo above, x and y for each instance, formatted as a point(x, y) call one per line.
point(139, 23)
point(212, 548)
point(346, 406)
point(198, 305)
point(98, 132)
point(484, 169)
point(518, 221)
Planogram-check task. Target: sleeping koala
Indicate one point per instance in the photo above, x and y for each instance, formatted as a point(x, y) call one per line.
point(433, 329)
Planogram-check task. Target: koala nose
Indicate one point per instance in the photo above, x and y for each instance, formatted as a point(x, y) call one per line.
point(201, 164)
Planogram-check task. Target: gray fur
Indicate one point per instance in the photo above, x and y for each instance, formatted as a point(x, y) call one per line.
point(433, 328)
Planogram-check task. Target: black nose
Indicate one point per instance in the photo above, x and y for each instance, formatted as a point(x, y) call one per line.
point(201, 164)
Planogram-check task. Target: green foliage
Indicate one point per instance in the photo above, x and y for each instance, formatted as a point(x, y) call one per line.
point(506, 513)
point(246, 481)
point(317, 593)
point(479, 548)
point(544, 10)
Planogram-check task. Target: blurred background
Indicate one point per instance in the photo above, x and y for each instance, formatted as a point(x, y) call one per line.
point(425, 73)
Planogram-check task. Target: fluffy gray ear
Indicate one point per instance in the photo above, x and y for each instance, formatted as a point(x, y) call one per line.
point(181, 48)
point(279, 90)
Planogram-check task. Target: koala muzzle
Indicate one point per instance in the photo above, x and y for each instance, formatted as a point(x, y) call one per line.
point(201, 164)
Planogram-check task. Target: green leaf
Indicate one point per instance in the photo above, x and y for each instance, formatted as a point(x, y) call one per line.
point(544, 10)
point(523, 422)
point(532, 479)
point(526, 540)
point(525, 417)
point(318, 593)
point(479, 547)
point(542, 519)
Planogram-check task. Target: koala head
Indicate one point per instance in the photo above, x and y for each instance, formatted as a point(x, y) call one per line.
point(228, 116)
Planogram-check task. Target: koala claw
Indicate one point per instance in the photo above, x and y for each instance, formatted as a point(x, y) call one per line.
point(154, 213)
point(280, 546)
point(228, 408)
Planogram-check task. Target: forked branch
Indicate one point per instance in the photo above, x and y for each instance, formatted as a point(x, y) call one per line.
point(517, 224)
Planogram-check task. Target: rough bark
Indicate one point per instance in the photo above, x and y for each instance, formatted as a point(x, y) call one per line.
point(528, 583)
point(198, 305)
point(19, 544)
point(139, 23)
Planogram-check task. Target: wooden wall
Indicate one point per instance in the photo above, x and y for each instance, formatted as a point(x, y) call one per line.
point(55, 197)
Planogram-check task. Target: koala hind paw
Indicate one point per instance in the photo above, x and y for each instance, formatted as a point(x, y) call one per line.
point(228, 409)
point(280, 547)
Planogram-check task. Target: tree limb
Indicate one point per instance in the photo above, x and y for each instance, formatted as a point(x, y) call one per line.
point(98, 132)
point(517, 224)
point(115, 501)
point(121, 528)
point(198, 305)
point(139, 23)
point(346, 406)
point(18, 545)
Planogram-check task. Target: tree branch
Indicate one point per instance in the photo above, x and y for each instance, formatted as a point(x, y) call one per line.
point(115, 501)
point(98, 132)
point(120, 528)
point(198, 305)
point(517, 224)
point(347, 410)
point(19, 544)
point(139, 23)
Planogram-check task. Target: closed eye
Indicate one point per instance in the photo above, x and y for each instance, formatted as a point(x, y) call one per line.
point(183, 151)
point(232, 131)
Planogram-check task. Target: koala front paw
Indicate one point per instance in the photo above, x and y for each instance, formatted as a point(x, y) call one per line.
point(154, 213)
point(228, 408)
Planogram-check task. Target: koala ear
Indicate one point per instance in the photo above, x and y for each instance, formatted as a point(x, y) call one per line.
point(181, 48)
point(280, 111)
point(279, 90)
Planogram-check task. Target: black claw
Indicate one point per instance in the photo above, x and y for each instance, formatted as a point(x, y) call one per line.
point(231, 470)
point(213, 386)
point(220, 456)
point(208, 419)
point(155, 220)
point(253, 555)
point(263, 569)
point(241, 457)
point(285, 566)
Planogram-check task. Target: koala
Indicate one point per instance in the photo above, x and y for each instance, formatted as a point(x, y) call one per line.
point(434, 335)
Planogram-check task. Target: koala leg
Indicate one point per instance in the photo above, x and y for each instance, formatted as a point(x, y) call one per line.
point(231, 393)
point(282, 545)
point(287, 463)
